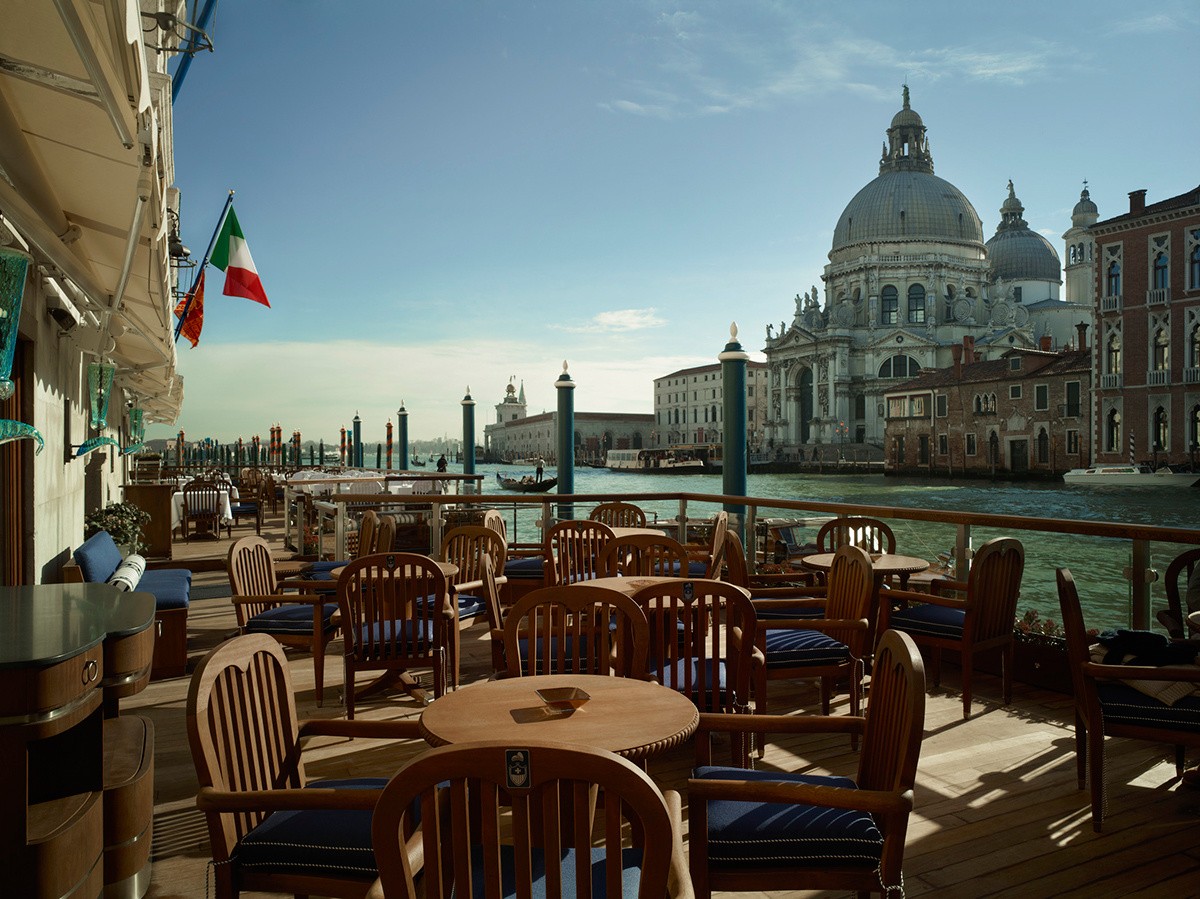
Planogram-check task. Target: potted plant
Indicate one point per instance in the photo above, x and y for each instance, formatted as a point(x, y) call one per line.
point(123, 521)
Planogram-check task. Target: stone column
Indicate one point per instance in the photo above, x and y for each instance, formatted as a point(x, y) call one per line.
point(733, 361)
point(468, 405)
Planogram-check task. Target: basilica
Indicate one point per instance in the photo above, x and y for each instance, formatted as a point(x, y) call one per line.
point(910, 276)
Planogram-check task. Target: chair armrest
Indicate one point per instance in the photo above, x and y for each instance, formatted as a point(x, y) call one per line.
point(301, 599)
point(210, 800)
point(713, 722)
point(893, 596)
point(404, 729)
point(796, 601)
point(679, 880)
point(1188, 673)
point(824, 625)
point(940, 583)
point(880, 802)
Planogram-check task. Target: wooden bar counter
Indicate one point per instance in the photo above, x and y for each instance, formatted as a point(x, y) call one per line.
point(75, 778)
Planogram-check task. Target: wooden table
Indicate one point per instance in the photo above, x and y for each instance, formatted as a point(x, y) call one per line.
point(631, 585)
point(447, 568)
point(636, 532)
point(633, 718)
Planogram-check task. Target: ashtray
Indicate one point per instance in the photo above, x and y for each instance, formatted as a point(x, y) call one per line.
point(563, 698)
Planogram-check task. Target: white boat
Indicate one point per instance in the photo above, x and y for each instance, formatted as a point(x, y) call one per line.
point(658, 461)
point(1130, 476)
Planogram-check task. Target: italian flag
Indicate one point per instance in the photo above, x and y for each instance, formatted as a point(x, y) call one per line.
point(232, 256)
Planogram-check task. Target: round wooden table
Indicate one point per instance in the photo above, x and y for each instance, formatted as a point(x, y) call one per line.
point(631, 585)
point(637, 532)
point(447, 568)
point(633, 718)
point(884, 564)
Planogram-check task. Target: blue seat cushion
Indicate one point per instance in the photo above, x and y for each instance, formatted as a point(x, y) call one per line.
point(787, 648)
point(675, 675)
point(524, 567)
point(322, 843)
point(784, 833)
point(326, 566)
point(98, 557)
point(1123, 704)
point(782, 612)
point(244, 508)
point(550, 654)
point(631, 872)
point(407, 633)
point(172, 587)
point(291, 618)
point(930, 620)
point(469, 606)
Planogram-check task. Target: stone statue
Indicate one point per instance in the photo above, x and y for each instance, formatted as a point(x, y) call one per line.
point(770, 328)
point(800, 304)
point(816, 297)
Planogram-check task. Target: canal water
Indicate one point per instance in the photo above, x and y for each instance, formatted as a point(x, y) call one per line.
point(1097, 563)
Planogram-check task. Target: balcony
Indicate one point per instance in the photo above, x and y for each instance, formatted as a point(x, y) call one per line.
point(1158, 377)
point(1191, 375)
point(1110, 304)
point(1112, 382)
point(1159, 296)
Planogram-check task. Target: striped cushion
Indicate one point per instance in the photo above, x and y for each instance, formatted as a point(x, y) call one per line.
point(469, 606)
point(292, 618)
point(788, 648)
point(631, 872)
point(397, 632)
point(787, 834)
point(783, 613)
point(1122, 704)
point(930, 620)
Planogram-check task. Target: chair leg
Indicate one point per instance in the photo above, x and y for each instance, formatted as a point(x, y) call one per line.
point(826, 690)
point(968, 661)
point(348, 688)
point(319, 641)
point(1080, 751)
point(1006, 672)
point(1179, 761)
point(1096, 763)
point(935, 665)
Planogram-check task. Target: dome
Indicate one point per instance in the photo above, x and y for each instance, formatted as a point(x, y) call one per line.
point(908, 205)
point(1016, 253)
point(1085, 206)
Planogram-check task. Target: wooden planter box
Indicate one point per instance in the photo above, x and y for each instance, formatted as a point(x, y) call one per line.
point(1039, 663)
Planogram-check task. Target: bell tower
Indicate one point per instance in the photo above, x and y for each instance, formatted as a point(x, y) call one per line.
point(1080, 272)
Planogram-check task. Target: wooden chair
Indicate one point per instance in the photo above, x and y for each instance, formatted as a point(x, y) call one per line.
point(769, 830)
point(1175, 616)
point(571, 551)
point(467, 547)
point(716, 546)
point(619, 515)
point(201, 509)
point(981, 620)
point(564, 803)
point(869, 534)
point(1107, 706)
point(702, 641)
point(779, 585)
point(645, 555)
point(576, 630)
point(396, 616)
point(250, 505)
point(301, 620)
point(270, 828)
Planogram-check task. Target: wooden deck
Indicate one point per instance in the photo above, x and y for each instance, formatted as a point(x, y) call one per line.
point(997, 810)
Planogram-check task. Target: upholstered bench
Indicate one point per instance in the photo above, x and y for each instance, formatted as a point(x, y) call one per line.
point(97, 560)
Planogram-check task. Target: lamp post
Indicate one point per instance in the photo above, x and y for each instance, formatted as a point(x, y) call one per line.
point(733, 361)
point(468, 449)
point(565, 470)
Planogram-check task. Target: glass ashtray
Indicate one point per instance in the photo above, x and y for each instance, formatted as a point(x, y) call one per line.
point(563, 698)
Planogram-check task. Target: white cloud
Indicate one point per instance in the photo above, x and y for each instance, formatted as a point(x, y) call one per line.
point(618, 320)
point(1146, 24)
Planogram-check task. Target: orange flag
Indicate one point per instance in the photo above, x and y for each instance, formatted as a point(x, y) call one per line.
point(195, 313)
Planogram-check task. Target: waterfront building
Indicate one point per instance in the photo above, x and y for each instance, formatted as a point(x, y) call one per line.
point(517, 435)
point(1147, 347)
point(1024, 414)
point(688, 406)
point(86, 152)
point(909, 277)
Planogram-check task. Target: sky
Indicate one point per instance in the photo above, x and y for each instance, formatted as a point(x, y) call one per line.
point(443, 196)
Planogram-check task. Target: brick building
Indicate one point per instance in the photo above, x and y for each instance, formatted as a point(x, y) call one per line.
point(1023, 415)
point(1147, 348)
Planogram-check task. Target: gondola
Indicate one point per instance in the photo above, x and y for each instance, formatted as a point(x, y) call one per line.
point(523, 486)
point(418, 462)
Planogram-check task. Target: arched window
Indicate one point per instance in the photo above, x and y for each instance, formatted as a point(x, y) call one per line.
point(991, 402)
point(978, 404)
point(1043, 446)
point(1194, 268)
point(1112, 281)
point(1162, 350)
point(1194, 429)
point(1160, 271)
point(1112, 432)
point(1112, 358)
point(899, 366)
point(860, 405)
point(714, 413)
point(889, 300)
point(1162, 430)
point(1194, 347)
point(1072, 255)
point(916, 304)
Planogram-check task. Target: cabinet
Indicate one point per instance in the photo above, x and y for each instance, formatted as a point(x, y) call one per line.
point(75, 776)
point(154, 499)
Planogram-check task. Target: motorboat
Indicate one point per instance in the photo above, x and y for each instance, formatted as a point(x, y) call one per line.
point(1130, 476)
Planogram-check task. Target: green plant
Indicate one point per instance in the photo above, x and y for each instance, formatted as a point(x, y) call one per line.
point(123, 521)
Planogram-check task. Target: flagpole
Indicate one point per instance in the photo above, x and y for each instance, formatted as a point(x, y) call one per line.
point(203, 265)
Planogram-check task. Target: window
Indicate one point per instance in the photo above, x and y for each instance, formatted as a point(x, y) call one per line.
point(1072, 399)
point(1014, 392)
point(970, 444)
point(897, 407)
point(916, 407)
point(1112, 280)
point(900, 366)
point(1073, 442)
point(1162, 432)
point(889, 303)
point(1014, 363)
point(1112, 432)
point(943, 445)
point(916, 304)
point(900, 447)
point(943, 406)
point(860, 405)
point(1193, 260)
point(1194, 347)
point(1160, 273)
point(1041, 397)
point(1016, 294)
point(923, 449)
point(1194, 429)
point(1043, 446)
point(1112, 356)
point(750, 390)
point(1160, 354)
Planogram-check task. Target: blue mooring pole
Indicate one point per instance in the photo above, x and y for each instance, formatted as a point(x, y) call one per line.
point(402, 426)
point(468, 405)
point(565, 464)
point(733, 387)
point(358, 447)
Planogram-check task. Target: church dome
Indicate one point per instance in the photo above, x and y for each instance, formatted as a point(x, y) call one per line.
point(1016, 253)
point(1085, 206)
point(907, 201)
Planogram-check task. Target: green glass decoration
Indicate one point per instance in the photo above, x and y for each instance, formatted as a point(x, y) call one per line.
point(18, 430)
point(13, 266)
point(137, 424)
point(94, 443)
point(100, 382)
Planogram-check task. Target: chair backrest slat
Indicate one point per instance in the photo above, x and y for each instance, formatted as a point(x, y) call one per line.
point(572, 551)
point(993, 588)
point(251, 573)
point(870, 534)
point(644, 555)
point(619, 515)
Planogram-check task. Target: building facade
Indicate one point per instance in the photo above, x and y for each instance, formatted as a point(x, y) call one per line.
point(1147, 354)
point(1025, 414)
point(688, 406)
point(909, 277)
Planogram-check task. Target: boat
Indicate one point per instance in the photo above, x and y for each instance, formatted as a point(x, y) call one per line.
point(526, 484)
point(657, 461)
point(1129, 476)
point(420, 463)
